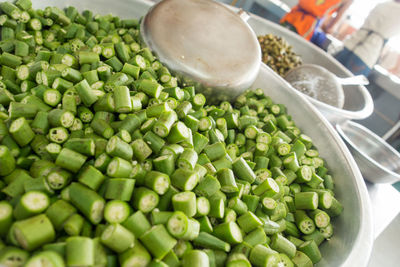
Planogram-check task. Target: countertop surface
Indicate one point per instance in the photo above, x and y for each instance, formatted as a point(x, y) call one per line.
point(386, 81)
point(385, 250)
point(385, 203)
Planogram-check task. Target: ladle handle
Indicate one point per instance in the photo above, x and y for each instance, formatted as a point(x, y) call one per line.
point(244, 15)
point(354, 80)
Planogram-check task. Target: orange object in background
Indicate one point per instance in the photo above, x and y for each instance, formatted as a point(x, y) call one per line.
point(306, 14)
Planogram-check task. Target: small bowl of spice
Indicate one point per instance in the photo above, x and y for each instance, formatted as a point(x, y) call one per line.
point(278, 54)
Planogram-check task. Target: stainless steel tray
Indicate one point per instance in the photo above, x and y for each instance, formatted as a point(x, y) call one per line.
point(353, 239)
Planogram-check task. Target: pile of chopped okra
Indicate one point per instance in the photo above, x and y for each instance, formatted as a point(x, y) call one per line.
point(108, 160)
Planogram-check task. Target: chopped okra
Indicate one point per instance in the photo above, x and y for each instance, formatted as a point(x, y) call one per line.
point(108, 159)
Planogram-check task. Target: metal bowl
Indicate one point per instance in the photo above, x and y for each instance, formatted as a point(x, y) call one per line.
point(352, 242)
point(358, 102)
point(378, 161)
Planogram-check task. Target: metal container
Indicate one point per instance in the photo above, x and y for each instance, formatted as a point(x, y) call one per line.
point(191, 38)
point(353, 238)
point(358, 102)
point(378, 161)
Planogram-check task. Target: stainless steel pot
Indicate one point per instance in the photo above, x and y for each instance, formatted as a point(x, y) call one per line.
point(352, 242)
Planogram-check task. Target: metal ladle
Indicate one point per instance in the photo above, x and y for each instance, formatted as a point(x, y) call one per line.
point(321, 84)
point(205, 44)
